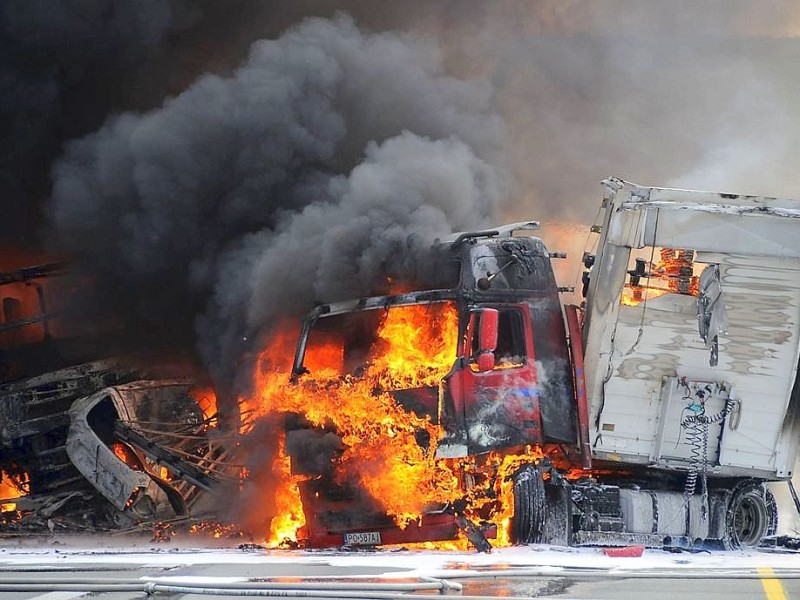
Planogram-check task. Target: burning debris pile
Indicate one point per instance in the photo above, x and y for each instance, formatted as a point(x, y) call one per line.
point(95, 447)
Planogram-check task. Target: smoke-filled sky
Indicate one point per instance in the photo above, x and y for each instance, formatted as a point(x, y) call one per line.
point(307, 174)
point(220, 161)
point(700, 94)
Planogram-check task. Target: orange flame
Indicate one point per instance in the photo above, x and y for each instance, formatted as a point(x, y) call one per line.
point(414, 347)
point(125, 454)
point(674, 273)
point(206, 399)
point(288, 506)
point(634, 295)
point(11, 487)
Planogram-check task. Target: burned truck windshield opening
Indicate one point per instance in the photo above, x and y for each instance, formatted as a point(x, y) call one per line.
point(400, 347)
point(510, 349)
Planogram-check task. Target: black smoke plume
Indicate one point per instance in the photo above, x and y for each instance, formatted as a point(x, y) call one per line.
point(328, 160)
point(186, 207)
point(65, 66)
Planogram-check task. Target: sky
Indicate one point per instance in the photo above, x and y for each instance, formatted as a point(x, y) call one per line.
point(692, 94)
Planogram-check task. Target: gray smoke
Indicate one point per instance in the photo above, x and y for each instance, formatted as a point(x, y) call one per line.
point(298, 178)
point(681, 93)
point(690, 94)
point(62, 65)
point(327, 161)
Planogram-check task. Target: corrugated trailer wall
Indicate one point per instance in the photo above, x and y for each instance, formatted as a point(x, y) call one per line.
point(648, 366)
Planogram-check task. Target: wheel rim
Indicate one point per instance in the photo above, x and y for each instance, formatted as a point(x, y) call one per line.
point(750, 519)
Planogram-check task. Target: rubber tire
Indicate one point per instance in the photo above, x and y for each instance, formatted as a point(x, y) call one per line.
point(772, 505)
point(527, 524)
point(752, 516)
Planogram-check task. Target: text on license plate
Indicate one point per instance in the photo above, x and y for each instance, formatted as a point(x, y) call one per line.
point(362, 538)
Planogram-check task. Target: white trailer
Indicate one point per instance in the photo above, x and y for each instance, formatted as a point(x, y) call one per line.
point(738, 330)
point(692, 336)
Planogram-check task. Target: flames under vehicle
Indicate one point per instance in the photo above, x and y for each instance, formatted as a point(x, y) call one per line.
point(652, 414)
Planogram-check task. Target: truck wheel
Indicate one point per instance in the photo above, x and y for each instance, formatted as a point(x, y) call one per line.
point(752, 515)
point(529, 506)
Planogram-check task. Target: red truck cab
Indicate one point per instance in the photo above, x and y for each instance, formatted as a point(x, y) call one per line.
point(509, 385)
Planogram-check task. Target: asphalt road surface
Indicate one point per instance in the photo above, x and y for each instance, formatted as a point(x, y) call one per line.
point(56, 573)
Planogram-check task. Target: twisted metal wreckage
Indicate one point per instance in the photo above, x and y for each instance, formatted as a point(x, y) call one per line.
point(95, 447)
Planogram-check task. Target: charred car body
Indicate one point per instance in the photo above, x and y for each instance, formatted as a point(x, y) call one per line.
point(101, 444)
point(96, 447)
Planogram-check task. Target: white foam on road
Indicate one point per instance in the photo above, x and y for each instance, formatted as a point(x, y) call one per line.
point(398, 563)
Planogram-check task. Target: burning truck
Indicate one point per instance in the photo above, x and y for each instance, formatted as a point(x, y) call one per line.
point(654, 413)
point(474, 405)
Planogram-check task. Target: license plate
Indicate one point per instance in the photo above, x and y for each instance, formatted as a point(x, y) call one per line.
point(362, 538)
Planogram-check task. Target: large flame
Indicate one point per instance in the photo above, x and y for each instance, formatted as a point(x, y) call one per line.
point(288, 506)
point(414, 347)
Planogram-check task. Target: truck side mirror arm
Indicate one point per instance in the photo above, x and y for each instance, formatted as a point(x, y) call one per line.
point(488, 320)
